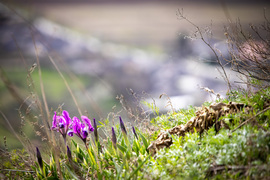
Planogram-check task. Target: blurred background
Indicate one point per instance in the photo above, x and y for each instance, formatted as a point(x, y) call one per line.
point(110, 48)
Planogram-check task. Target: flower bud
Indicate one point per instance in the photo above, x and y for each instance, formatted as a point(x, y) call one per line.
point(39, 158)
point(69, 154)
point(134, 132)
point(122, 126)
point(114, 140)
point(95, 129)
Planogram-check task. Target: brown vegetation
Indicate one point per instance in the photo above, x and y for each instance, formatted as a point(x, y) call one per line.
point(205, 118)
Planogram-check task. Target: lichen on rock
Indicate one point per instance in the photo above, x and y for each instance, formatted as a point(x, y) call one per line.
point(205, 118)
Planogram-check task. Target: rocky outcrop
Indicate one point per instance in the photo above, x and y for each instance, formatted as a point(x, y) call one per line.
point(205, 118)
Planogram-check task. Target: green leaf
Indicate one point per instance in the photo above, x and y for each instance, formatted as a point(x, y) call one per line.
point(122, 148)
point(52, 178)
point(136, 147)
point(74, 143)
point(145, 142)
point(70, 172)
point(120, 171)
point(139, 167)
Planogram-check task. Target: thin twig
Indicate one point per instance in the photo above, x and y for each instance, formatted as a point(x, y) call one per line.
point(17, 170)
point(266, 109)
point(11, 128)
point(214, 50)
point(236, 168)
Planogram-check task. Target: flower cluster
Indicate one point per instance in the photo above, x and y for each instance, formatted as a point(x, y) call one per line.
point(61, 123)
point(67, 126)
point(81, 129)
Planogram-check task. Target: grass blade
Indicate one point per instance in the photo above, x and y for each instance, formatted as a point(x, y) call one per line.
point(139, 167)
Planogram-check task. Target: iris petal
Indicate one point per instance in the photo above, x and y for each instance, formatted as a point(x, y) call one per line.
point(84, 134)
point(61, 125)
point(66, 117)
point(54, 122)
point(88, 122)
point(70, 133)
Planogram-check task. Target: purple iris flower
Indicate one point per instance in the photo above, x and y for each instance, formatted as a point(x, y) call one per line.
point(61, 123)
point(81, 129)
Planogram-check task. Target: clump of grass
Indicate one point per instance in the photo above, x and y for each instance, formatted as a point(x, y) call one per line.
point(15, 164)
point(122, 157)
point(235, 153)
